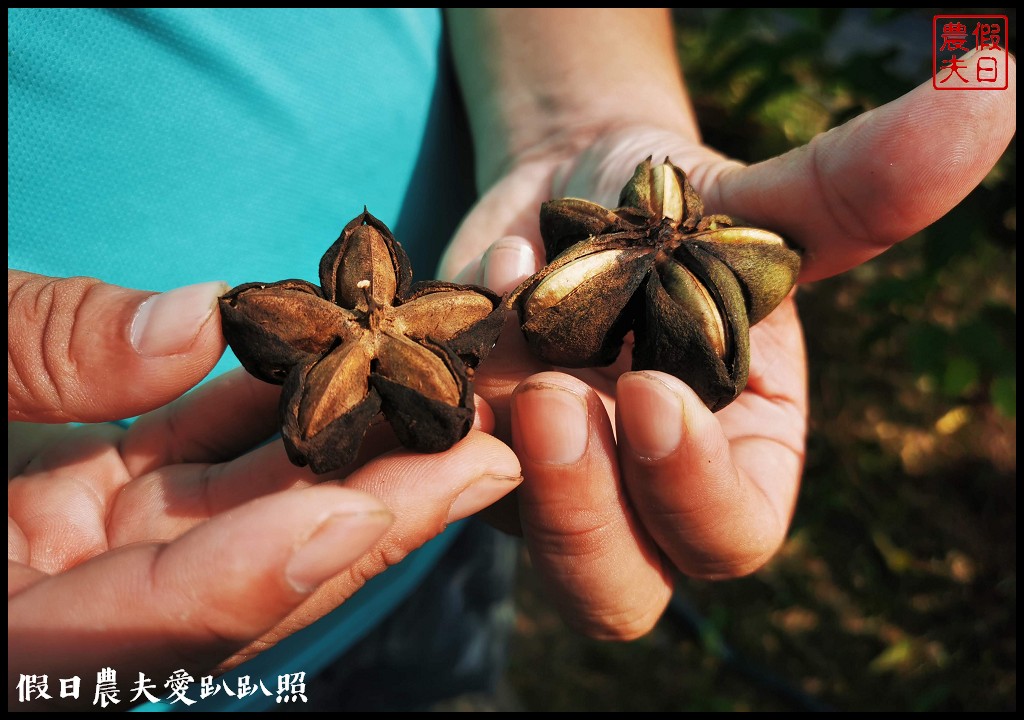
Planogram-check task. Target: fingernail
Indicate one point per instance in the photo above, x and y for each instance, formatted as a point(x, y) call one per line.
point(553, 424)
point(507, 263)
point(484, 492)
point(168, 323)
point(336, 543)
point(651, 414)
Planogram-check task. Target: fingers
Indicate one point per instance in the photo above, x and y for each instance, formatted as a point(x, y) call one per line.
point(163, 504)
point(503, 265)
point(603, 568)
point(59, 500)
point(424, 493)
point(228, 581)
point(717, 491)
point(713, 493)
point(856, 190)
point(437, 489)
point(190, 603)
point(716, 511)
point(227, 417)
point(81, 350)
point(510, 207)
point(216, 422)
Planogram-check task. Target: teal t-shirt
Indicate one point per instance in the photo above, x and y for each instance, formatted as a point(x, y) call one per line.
point(159, 148)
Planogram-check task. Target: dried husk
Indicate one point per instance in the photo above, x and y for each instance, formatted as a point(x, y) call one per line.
point(565, 222)
point(587, 326)
point(365, 250)
point(363, 343)
point(337, 443)
point(646, 192)
point(689, 286)
point(421, 422)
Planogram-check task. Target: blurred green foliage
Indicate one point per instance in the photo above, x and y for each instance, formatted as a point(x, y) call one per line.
point(771, 80)
point(896, 589)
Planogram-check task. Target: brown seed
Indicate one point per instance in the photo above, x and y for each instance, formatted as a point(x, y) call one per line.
point(684, 287)
point(569, 278)
point(334, 386)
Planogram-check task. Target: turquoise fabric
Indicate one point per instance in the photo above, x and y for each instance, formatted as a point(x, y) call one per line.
point(159, 148)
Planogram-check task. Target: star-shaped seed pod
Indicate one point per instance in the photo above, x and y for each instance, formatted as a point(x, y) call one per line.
point(361, 343)
point(688, 286)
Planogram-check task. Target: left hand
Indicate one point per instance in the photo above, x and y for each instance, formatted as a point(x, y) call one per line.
point(184, 542)
point(171, 545)
point(607, 513)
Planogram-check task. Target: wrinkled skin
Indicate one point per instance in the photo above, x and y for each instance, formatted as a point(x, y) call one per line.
point(640, 498)
point(607, 528)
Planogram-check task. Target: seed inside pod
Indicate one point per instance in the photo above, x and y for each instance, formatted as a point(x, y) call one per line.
point(556, 286)
point(684, 287)
point(688, 285)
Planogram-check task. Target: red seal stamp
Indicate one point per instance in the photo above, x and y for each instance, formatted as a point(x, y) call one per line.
point(969, 52)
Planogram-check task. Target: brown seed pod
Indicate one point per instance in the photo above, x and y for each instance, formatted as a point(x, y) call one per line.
point(364, 342)
point(689, 286)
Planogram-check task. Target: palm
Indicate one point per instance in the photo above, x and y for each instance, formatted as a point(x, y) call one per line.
point(60, 520)
point(606, 530)
point(92, 489)
point(81, 498)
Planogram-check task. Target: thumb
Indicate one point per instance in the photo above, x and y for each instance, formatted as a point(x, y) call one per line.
point(858, 189)
point(81, 350)
point(510, 207)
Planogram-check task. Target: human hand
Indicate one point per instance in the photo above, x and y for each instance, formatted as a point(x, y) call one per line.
point(173, 544)
point(609, 514)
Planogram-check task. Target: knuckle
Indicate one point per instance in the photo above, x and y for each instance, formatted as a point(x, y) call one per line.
point(41, 363)
point(840, 209)
point(376, 560)
point(624, 624)
point(739, 562)
point(598, 595)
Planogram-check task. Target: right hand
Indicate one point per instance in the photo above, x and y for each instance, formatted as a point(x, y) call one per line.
point(629, 477)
